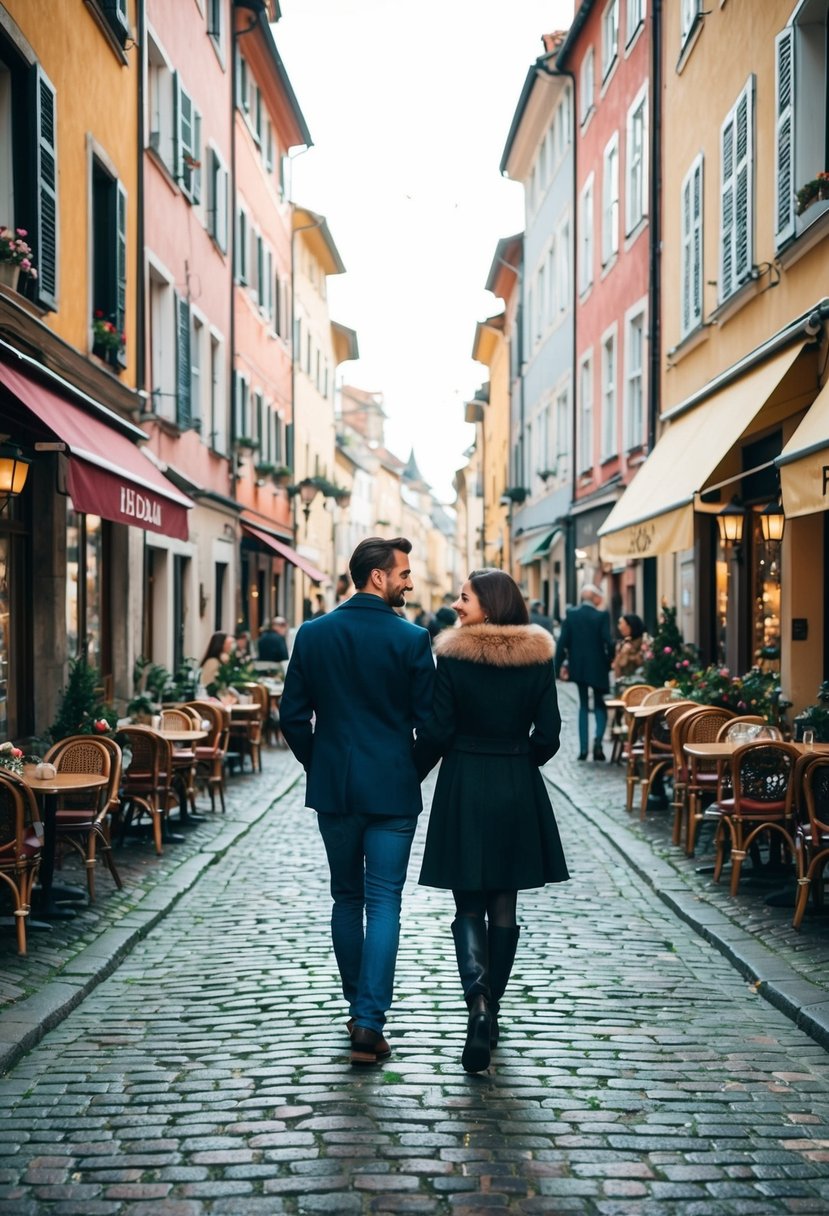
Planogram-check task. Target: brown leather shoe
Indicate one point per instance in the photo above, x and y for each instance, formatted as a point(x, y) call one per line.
point(368, 1046)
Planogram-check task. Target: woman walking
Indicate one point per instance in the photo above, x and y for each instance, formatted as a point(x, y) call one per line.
point(492, 831)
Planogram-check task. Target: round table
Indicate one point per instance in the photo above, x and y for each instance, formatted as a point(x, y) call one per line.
point(48, 790)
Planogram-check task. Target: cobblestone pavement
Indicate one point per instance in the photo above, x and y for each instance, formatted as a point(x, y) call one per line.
point(638, 1072)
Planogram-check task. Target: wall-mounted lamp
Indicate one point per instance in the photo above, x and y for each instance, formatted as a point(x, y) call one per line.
point(730, 522)
point(14, 469)
point(343, 499)
point(307, 491)
point(772, 521)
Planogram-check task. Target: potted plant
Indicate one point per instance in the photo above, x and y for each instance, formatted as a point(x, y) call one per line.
point(264, 468)
point(247, 441)
point(815, 190)
point(108, 342)
point(282, 475)
point(81, 711)
point(15, 256)
point(815, 717)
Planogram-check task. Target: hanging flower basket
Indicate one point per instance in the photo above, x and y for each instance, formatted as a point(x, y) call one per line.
point(108, 342)
point(15, 257)
point(814, 191)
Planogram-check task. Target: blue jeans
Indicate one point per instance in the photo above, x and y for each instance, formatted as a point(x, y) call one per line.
point(584, 710)
point(368, 856)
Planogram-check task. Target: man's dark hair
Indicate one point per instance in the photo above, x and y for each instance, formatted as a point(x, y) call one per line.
point(500, 597)
point(375, 553)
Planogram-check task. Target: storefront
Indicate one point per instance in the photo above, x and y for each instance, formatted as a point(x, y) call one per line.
point(269, 566)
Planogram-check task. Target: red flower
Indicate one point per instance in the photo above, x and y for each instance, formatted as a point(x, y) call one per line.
point(98, 314)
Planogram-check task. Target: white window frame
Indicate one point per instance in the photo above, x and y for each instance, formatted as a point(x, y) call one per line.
point(610, 388)
point(218, 184)
point(636, 161)
point(691, 218)
point(737, 193)
point(198, 335)
point(162, 135)
point(587, 86)
point(688, 14)
point(785, 96)
point(563, 431)
point(635, 19)
point(563, 266)
point(162, 315)
point(586, 234)
point(216, 8)
point(216, 436)
point(610, 199)
point(635, 377)
point(610, 37)
point(586, 410)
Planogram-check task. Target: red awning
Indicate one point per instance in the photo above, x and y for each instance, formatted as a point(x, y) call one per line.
point(282, 550)
point(108, 474)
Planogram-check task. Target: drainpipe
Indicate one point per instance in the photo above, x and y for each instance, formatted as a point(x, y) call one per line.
point(570, 532)
point(654, 221)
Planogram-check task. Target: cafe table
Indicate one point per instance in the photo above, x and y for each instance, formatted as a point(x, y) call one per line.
point(48, 790)
point(175, 734)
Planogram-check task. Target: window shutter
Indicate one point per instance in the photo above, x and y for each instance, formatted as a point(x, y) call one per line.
point(196, 172)
point(784, 137)
point(696, 243)
point(183, 380)
point(46, 186)
point(743, 208)
point(121, 266)
point(727, 208)
point(686, 254)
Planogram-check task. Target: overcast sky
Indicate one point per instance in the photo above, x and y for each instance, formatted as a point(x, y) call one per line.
point(409, 106)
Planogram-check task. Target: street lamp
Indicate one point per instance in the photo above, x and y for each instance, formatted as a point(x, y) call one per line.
point(307, 491)
point(730, 521)
point(14, 469)
point(772, 522)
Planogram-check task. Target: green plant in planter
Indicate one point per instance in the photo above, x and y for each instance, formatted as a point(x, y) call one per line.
point(232, 671)
point(817, 188)
point(815, 717)
point(82, 711)
point(247, 441)
point(756, 692)
point(264, 468)
point(668, 660)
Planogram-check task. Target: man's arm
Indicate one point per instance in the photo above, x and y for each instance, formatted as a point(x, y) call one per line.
point(296, 708)
point(563, 645)
point(435, 735)
point(422, 679)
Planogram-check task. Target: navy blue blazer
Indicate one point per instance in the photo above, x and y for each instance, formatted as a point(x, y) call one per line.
point(586, 646)
point(367, 675)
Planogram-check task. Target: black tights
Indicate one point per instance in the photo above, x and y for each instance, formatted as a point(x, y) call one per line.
point(498, 906)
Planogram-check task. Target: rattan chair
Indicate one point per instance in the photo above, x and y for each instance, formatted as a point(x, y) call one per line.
point(762, 776)
point(679, 728)
point(657, 749)
point(632, 695)
point(211, 752)
point(180, 717)
point(21, 835)
point(146, 786)
point(703, 776)
point(246, 733)
point(811, 838)
point(83, 819)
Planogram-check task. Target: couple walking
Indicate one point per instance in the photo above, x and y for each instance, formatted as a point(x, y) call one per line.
point(361, 681)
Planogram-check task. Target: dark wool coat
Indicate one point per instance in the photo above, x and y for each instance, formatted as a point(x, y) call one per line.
point(495, 719)
point(586, 646)
point(358, 683)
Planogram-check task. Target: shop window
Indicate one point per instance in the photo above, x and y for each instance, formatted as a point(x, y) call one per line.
point(109, 249)
point(801, 120)
point(765, 601)
point(219, 580)
point(86, 581)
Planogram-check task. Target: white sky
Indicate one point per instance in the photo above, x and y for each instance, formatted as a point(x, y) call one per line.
point(409, 106)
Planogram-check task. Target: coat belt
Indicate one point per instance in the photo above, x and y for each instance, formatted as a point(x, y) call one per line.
point(491, 747)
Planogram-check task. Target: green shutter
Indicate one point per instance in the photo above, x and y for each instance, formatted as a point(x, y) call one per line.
point(184, 416)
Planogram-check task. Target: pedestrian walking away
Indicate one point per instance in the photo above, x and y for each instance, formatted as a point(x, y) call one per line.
point(584, 655)
point(358, 683)
point(492, 831)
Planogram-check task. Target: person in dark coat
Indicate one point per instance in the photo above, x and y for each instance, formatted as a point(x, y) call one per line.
point(272, 644)
point(539, 617)
point(583, 655)
point(492, 831)
point(364, 675)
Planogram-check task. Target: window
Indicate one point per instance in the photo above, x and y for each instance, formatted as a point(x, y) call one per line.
point(115, 13)
point(691, 249)
point(586, 235)
point(801, 116)
point(161, 103)
point(28, 166)
point(636, 17)
point(736, 194)
point(563, 267)
point(562, 124)
point(109, 249)
point(541, 303)
point(184, 401)
point(552, 283)
point(188, 160)
point(197, 333)
point(241, 408)
point(162, 344)
point(609, 444)
point(217, 188)
point(217, 435)
point(87, 577)
point(563, 426)
point(585, 444)
point(610, 37)
point(241, 249)
point(688, 15)
point(542, 163)
point(587, 86)
point(216, 25)
point(610, 201)
point(635, 380)
point(636, 192)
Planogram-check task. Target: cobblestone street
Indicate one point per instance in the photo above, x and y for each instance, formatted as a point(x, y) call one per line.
point(638, 1072)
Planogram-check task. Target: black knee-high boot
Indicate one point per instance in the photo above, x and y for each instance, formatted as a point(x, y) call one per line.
point(469, 933)
point(502, 946)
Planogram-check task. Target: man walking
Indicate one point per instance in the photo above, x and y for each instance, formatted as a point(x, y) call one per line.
point(366, 674)
point(585, 650)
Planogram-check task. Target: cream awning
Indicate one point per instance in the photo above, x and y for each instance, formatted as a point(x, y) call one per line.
point(656, 512)
point(804, 462)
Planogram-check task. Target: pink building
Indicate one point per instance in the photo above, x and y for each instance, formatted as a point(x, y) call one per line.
point(187, 324)
point(608, 53)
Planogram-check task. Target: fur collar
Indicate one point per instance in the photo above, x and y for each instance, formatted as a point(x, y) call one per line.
point(497, 645)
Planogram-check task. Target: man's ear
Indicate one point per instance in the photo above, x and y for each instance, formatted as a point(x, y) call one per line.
point(377, 578)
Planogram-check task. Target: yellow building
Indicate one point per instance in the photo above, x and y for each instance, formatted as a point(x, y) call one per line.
point(744, 407)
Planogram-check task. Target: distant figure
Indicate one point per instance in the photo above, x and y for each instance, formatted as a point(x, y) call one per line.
point(319, 605)
point(219, 650)
point(273, 641)
point(444, 618)
point(244, 646)
point(629, 649)
point(343, 588)
point(583, 655)
point(539, 617)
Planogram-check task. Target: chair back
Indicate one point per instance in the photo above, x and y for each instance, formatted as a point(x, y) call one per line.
point(179, 718)
point(148, 753)
point(658, 696)
point(259, 693)
point(679, 730)
point(215, 715)
point(18, 817)
point(658, 727)
point(706, 727)
point(815, 800)
point(762, 777)
point(634, 693)
point(86, 754)
point(745, 726)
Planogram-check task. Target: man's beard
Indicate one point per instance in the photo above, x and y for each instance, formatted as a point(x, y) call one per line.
point(396, 599)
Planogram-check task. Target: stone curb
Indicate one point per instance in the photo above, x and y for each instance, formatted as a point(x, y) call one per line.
point(804, 1003)
point(26, 1023)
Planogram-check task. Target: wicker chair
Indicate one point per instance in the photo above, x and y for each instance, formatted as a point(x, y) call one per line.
point(762, 776)
point(20, 845)
point(703, 776)
point(83, 819)
point(657, 749)
point(811, 840)
point(146, 786)
point(680, 725)
point(619, 731)
point(211, 752)
point(180, 717)
point(246, 733)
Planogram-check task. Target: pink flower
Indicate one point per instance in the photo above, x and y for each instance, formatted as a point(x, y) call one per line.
point(22, 232)
point(26, 264)
point(667, 650)
point(686, 663)
point(16, 752)
point(725, 673)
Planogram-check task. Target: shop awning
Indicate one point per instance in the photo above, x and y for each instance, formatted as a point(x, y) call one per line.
point(542, 549)
point(282, 550)
point(107, 475)
point(656, 512)
point(804, 462)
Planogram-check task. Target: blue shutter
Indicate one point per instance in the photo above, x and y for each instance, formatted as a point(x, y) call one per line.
point(46, 187)
point(784, 196)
